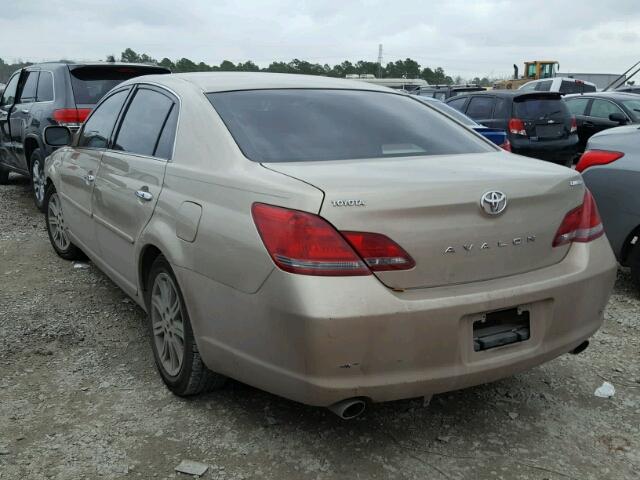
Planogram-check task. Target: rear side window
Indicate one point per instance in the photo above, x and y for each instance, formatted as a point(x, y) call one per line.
point(501, 110)
point(143, 122)
point(539, 108)
point(577, 106)
point(90, 84)
point(45, 87)
point(458, 103)
point(568, 86)
point(603, 108)
point(29, 88)
point(298, 125)
point(97, 129)
point(544, 86)
point(480, 107)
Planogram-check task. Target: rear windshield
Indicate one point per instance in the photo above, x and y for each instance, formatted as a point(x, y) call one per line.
point(313, 125)
point(90, 84)
point(539, 108)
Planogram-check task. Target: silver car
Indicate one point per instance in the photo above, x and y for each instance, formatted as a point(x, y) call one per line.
point(611, 169)
point(330, 241)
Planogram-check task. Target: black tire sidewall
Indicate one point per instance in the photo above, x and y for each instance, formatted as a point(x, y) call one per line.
point(634, 263)
point(4, 175)
point(180, 382)
point(36, 155)
point(70, 253)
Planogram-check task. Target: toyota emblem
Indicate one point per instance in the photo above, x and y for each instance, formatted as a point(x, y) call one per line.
point(493, 202)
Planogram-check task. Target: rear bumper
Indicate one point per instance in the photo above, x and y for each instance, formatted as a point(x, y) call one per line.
point(320, 340)
point(557, 151)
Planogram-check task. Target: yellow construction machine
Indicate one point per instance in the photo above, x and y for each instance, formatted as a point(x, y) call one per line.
point(533, 70)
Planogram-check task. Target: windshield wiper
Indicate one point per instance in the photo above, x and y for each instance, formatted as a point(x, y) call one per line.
point(547, 115)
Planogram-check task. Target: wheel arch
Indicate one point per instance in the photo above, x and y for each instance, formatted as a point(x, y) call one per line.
point(31, 143)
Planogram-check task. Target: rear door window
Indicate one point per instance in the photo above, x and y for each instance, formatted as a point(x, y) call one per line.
point(29, 88)
point(577, 106)
point(569, 86)
point(303, 125)
point(480, 107)
point(604, 108)
point(98, 128)
point(539, 108)
point(458, 103)
point(45, 87)
point(90, 84)
point(143, 122)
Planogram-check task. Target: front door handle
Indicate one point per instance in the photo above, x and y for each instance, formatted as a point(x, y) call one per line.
point(88, 178)
point(24, 110)
point(144, 195)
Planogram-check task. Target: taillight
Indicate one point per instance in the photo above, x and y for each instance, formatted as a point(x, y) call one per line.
point(71, 116)
point(591, 158)
point(379, 252)
point(506, 145)
point(516, 127)
point(582, 224)
point(574, 125)
point(306, 244)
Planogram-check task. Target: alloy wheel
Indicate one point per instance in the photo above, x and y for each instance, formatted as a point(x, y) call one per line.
point(38, 181)
point(167, 323)
point(57, 226)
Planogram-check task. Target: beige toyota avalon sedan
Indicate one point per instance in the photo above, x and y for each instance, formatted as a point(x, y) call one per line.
point(326, 240)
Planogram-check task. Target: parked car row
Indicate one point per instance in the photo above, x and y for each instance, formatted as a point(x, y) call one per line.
point(331, 241)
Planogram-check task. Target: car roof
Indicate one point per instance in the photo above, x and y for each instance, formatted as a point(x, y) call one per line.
point(612, 95)
point(210, 82)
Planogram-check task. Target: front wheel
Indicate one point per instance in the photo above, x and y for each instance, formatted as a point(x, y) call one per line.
point(57, 228)
point(174, 348)
point(37, 178)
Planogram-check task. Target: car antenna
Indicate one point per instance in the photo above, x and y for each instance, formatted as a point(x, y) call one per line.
point(621, 76)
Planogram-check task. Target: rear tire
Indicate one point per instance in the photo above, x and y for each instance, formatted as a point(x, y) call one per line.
point(634, 263)
point(38, 184)
point(56, 227)
point(174, 347)
point(4, 176)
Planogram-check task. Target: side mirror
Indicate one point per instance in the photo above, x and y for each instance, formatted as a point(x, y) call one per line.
point(618, 117)
point(57, 136)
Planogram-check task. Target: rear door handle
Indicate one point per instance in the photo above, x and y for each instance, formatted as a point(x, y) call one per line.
point(588, 124)
point(88, 178)
point(144, 195)
point(24, 110)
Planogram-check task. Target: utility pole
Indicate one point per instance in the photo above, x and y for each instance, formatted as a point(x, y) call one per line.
point(380, 61)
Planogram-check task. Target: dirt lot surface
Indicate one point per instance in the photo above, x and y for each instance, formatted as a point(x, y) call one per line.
point(80, 397)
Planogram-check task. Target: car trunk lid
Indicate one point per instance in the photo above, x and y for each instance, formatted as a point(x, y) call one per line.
point(431, 207)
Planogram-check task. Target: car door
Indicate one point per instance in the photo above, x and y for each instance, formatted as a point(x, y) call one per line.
point(598, 116)
point(80, 167)
point(130, 178)
point(7, 102)
point(19, 118)
point(578, 107)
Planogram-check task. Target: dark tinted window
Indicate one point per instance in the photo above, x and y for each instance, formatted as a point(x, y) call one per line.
point(501, 110)
point(544, 86)
point(146, 115)
point(98, 127)
point(539, 108)
point(45, 87)
point(168, 135)
point(458, 103)
point(480, 107)
point(603, 108)
point(90, 84)
point(29, 88)
point(9, 94)
point(569, 86)
point(461, 117)
point(577, 106)
point(310, 125)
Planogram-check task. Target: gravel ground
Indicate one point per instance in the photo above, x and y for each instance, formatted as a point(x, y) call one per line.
point(80, 398)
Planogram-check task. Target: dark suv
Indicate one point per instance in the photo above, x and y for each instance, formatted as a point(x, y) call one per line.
point(51, 94)
point(538, 124)
point(442, 92)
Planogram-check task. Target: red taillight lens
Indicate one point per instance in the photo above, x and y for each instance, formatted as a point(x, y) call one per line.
point(516, 127)
point(303, 243)
point(574, 125)
point(71, 116)
point(582, 224)
point(379, 252)
point(306, 244)
point(506, 145)
point(591, 158)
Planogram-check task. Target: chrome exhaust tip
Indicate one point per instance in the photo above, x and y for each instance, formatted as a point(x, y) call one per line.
point(349, 408)
point(580, 348)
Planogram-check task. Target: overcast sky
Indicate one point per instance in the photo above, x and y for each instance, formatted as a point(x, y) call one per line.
point(468, 38)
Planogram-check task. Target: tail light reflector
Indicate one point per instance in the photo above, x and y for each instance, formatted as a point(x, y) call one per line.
point(582, 224)
point(71, 116)
point(506, 145)
point(516, 127)
point(306, 244)
point(591, 158)
point(574, 125)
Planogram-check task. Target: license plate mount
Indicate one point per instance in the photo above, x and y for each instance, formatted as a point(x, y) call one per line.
point(500, 328)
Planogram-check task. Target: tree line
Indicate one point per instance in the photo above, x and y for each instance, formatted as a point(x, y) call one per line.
point(407, 68)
